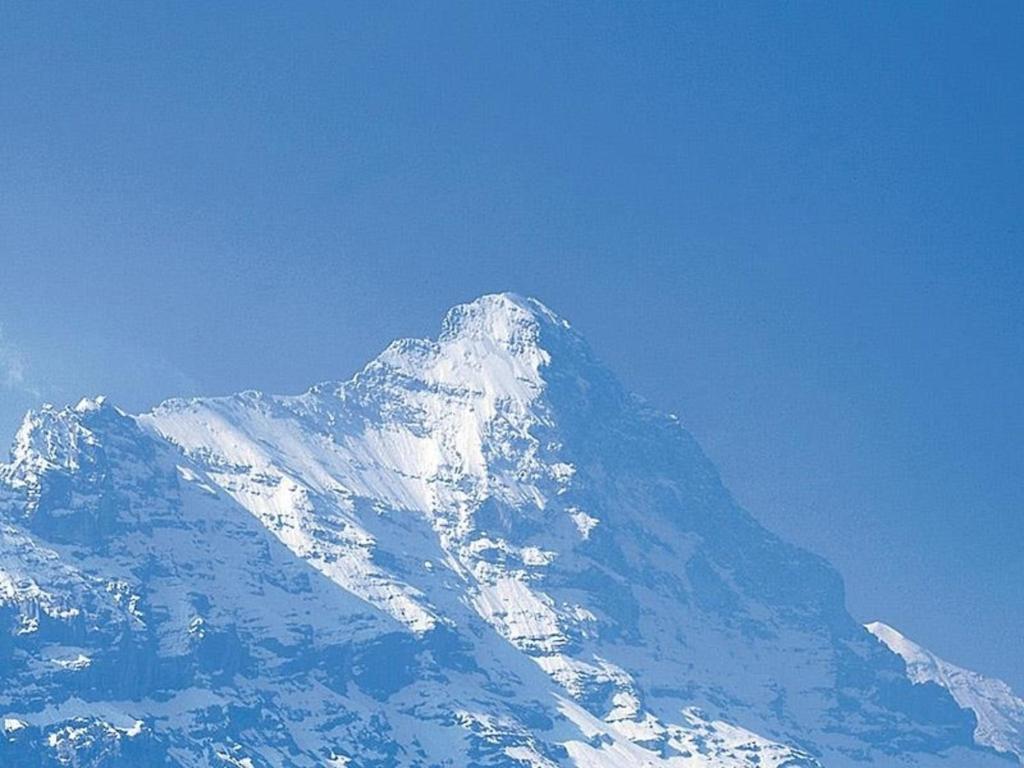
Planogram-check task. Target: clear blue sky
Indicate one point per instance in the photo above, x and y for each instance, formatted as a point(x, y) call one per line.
point(798, 225)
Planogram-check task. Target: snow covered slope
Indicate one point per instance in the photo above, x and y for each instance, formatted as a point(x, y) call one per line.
point(999, 712)
point(480, 550)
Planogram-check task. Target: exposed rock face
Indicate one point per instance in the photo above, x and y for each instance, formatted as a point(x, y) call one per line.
point(480, 550)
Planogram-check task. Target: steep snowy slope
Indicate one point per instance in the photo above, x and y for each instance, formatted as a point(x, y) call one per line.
point(480, 550)
point(999, 712)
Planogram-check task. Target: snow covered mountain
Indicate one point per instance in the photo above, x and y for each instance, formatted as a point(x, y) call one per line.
point(479, 551)
point(999, 712)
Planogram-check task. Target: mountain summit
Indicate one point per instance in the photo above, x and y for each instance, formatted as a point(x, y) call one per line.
point(481, 550)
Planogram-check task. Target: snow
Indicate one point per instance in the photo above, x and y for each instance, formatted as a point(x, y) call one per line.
point(520, 615)
point(75, 663)
point(584, 522)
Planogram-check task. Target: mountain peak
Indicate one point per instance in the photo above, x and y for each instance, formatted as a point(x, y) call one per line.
point(55, 437)
point(88, 404)
point(499, 316)
point(498, 344)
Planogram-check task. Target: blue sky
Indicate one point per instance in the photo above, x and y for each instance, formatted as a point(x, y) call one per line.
point(796, 225)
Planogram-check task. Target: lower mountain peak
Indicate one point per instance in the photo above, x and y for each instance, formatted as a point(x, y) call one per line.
point(999, 712)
